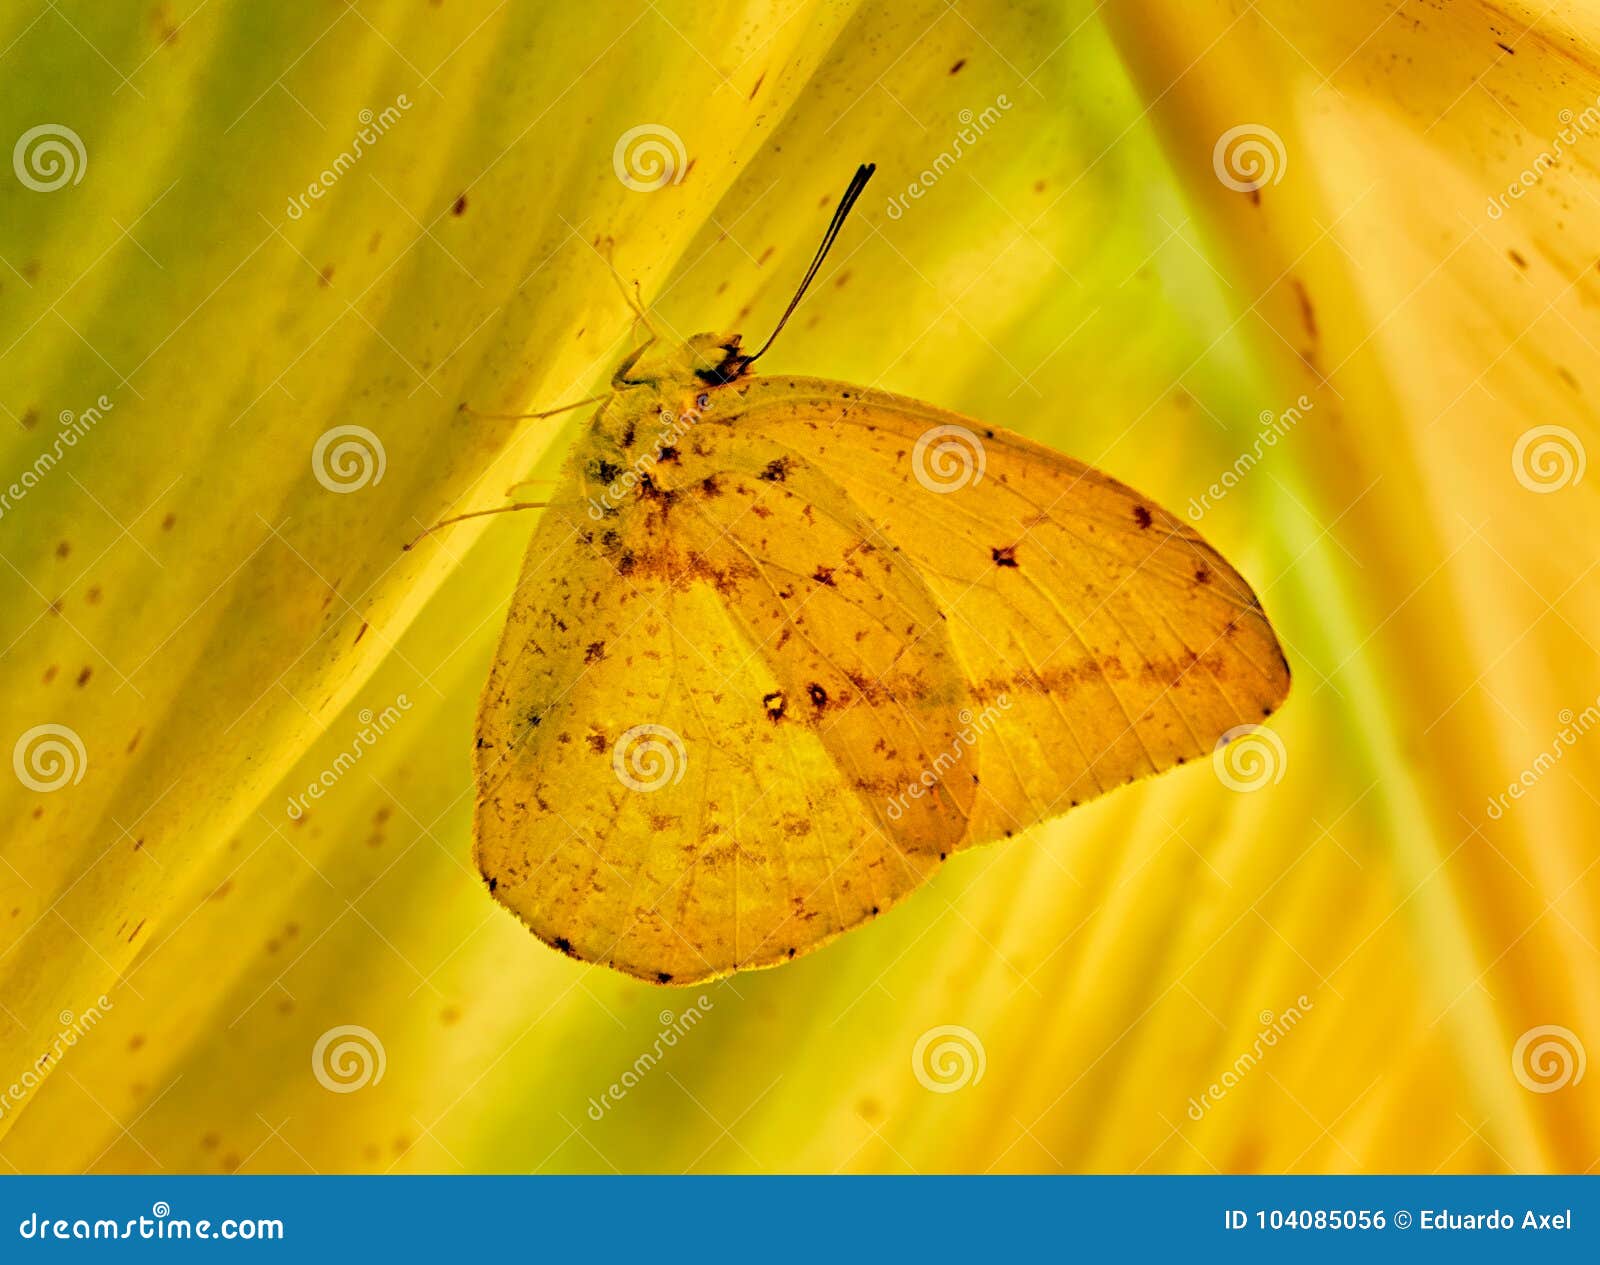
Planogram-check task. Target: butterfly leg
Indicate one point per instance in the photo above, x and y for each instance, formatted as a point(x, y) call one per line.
point(513, 417)
point(459, 518)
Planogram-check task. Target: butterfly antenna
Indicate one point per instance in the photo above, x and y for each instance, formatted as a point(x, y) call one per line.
point(858, 182)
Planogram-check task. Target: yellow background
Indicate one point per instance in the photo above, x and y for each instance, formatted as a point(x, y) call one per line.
point(183, 594)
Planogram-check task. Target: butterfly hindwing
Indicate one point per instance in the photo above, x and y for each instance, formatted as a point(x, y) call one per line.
point(1100, 636)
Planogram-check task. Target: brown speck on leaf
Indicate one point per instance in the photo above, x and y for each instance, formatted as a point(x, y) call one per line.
point(63, 548)
point(665, 977)
point(1142, 514)
point(594, 652)
point(83, 677)
point(1506, 47)
point(765, 255)
point(777, 470)
point(1308, 313)
point(565, 945)
point(166, 523)
point(360, 633)
point(824, 575)
point(819, 696)
point(93, 595)
point(30, 418)
point(1006, 557)
point(459, 207)
point(761, 78)
point(1255, 197)
point(773, 705)
point(450, 1016)
point(50, 673)
point(1517, 259)
point(325, 277)
point(957, 67)
point(597, 742)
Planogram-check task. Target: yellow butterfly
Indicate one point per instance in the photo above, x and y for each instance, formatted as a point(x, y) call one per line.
point(780, 646)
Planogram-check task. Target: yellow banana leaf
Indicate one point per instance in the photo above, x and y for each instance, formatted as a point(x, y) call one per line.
point(1323, 278)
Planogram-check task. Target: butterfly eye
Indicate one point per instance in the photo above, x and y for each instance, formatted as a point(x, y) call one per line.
point(702, 400)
